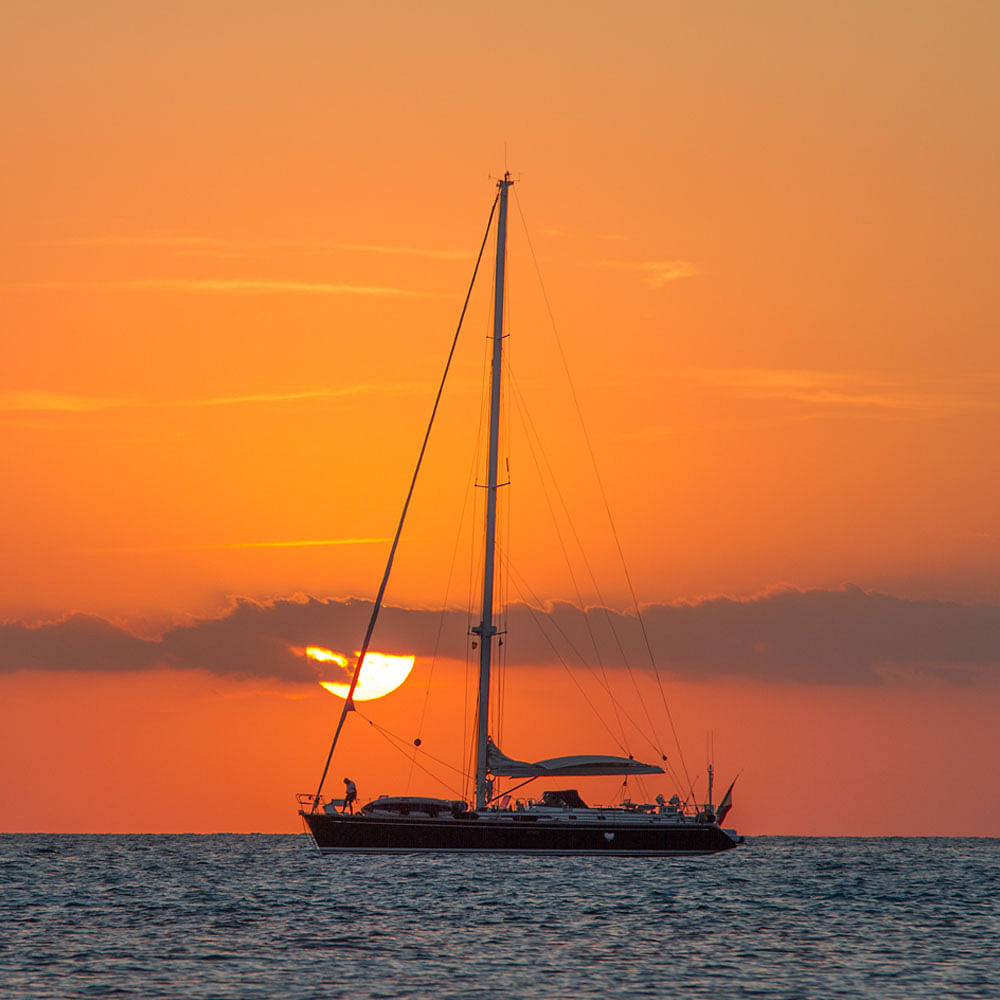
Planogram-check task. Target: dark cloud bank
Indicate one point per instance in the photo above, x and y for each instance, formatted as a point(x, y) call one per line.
point(842, 636)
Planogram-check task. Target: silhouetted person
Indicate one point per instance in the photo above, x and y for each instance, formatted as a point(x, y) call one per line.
point(350, 794)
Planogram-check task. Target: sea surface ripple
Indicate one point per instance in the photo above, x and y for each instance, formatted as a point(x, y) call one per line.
point(254, 916)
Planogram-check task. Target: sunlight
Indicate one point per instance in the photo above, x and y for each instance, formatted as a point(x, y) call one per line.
point(381, 673)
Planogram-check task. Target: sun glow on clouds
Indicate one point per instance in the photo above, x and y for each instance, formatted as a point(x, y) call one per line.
point(381, 673)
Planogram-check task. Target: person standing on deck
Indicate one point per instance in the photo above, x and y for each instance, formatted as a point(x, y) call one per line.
point(350, 794)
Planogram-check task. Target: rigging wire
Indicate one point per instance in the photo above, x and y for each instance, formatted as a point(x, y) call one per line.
point(533, 439)
point(503, 546)
point(400, 744)
point(561, 658)
point(604, 498)
point(447, 592)
point(377, 606)
point(602, 605)
point(603, 682)
point(440, 629)
point(532, 597)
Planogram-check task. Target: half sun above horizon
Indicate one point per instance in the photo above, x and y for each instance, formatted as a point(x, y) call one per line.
point(381, 673)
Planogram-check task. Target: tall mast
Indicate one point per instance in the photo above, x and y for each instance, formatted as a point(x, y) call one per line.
point(486, 629)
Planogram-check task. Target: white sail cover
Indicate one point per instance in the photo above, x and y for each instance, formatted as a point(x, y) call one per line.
point(582, 765)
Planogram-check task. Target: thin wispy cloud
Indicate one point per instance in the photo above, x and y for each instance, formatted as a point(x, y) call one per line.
point(17, 401)
point(655, 273)
point(225, 286)
point(211, 245)
point(295, 543)
point(769, 379)
point(27, 401)
point(299, 543)
point(295, 396)
point(851, 391)
point(404, 251)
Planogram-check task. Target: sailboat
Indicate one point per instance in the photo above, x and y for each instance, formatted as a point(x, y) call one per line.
point(559, 822)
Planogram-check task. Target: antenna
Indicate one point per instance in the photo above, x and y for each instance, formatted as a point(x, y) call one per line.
point(710, 751)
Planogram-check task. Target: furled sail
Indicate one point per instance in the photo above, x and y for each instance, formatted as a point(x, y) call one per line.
point(583, 765)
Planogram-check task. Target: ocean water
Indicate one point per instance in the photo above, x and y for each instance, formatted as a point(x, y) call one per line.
point(243, 917)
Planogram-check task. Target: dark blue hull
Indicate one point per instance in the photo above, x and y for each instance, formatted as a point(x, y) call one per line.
point(518, 835)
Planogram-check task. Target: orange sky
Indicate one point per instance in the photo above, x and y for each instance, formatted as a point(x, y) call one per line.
point(233, 254)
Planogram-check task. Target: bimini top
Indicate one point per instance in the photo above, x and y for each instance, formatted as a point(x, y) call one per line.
point(581, 766)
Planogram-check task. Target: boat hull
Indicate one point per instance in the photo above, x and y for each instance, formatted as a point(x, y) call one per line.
point(359, 834)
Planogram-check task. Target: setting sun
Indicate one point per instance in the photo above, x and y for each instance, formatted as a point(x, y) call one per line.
point(380, 675)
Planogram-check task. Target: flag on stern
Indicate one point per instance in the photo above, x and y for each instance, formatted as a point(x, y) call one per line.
point(726, 804)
